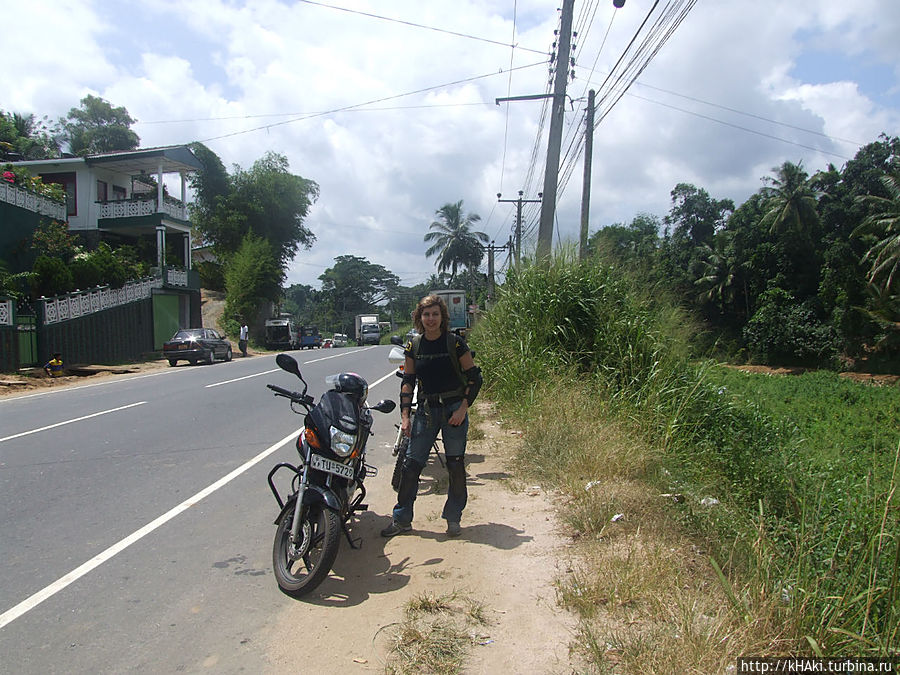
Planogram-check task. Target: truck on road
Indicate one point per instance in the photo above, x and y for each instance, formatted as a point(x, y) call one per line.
point(368, 332)
point(280, 333)
point(456, 305)
point(310, 337)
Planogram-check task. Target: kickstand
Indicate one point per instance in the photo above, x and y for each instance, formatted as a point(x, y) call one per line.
point(350, 540)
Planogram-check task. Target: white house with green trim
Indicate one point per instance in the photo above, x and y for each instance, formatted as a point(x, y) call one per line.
point(137, 197)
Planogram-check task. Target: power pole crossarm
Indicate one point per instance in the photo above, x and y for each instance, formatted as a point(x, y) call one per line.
point(518, 202)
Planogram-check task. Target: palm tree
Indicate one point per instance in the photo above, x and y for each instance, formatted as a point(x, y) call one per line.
point(717, 285)
point(791, 205)
point(883, 223)
point(456, 244)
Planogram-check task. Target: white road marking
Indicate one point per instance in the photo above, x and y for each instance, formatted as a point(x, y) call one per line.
point(59, 390)
point(77, 419)
point(275, 370)
point(30, 603)
point(245, 377)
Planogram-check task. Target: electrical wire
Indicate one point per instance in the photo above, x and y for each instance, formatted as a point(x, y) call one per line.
point(417, 25)
point(360, 105)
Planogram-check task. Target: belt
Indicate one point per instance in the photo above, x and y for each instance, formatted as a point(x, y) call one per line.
point(435, 401)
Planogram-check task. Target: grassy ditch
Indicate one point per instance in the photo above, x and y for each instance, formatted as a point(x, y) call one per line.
point(789, 495)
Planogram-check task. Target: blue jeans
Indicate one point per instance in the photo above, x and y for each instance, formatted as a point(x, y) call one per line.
point(425, 428)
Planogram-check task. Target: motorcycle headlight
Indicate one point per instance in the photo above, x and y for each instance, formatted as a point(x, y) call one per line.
point(341, 442)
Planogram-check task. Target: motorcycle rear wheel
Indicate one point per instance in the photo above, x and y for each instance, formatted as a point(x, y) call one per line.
point(320, 538)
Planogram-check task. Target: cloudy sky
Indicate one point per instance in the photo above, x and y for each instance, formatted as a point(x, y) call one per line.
point(390, 105)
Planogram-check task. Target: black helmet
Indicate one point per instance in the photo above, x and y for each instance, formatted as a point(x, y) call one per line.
point(353, 384)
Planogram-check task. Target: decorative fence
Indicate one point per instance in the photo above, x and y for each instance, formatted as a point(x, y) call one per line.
point(75, 305)
point(31, 201)
point(129, 208)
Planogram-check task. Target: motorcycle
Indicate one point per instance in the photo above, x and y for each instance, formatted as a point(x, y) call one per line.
point(327, 485)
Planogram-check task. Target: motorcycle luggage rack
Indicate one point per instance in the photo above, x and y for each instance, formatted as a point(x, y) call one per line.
point(280, 465)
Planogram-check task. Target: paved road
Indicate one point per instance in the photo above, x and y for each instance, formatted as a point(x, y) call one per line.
point(112, 561)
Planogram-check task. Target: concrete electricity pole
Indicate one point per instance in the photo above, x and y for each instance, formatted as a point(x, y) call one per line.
point(518, 202)
point(586, 188)
point(551, 172)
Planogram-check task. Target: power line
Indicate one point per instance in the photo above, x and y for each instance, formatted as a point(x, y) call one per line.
point(320, 112)
point(419, 25)
point(359, 105)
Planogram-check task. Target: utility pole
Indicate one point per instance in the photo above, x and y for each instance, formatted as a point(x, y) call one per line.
point(490, 289)
point(518, 202)
point(586, 188)
point(551, 172)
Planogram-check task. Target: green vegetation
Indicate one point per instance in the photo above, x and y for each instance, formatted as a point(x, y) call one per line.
point(806, 533)
point(804, 272)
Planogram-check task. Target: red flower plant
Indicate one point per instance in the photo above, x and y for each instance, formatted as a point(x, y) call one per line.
point(9, 176)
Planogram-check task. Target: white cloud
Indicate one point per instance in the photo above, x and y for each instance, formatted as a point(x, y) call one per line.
point(257, 67)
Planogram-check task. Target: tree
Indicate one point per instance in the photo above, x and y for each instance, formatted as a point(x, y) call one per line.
point(636, 242)
point(717, 285)
point(253, 275)
point(352, 286)
point(24, 136)
point(791, 202)
point(98, 127)
point(883, 225)
point(455, 243)
point(266, 201)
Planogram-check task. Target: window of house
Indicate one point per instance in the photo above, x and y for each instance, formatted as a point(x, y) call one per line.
point(67, 181)
point(102, 191)
point(118, 192)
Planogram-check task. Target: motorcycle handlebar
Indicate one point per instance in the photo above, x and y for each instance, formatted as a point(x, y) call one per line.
point(292, 395)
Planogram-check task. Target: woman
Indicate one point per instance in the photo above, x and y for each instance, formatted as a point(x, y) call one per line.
point(448, 384)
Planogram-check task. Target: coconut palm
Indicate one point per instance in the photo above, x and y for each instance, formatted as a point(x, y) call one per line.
point(883, 223)
point(791, 205)
point(717, 285)
point(455, 243)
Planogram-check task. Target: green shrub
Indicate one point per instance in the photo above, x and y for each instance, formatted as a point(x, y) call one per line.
point(49, 277)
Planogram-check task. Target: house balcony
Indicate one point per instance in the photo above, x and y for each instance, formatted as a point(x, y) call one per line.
point(140, 207)
point(176, 278)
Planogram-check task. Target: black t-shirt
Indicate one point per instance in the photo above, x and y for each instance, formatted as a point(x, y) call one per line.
point(434, 369)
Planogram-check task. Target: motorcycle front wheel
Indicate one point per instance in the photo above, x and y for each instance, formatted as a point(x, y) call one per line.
point(398, 465)
point(298, 570)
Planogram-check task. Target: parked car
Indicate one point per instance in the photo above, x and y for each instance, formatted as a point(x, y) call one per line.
point(326, 343)
point(196, 344)
point(339, 340)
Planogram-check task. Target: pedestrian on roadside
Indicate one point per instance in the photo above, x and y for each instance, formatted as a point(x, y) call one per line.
point(448, 382)
point(54, 367)
point(242, 340)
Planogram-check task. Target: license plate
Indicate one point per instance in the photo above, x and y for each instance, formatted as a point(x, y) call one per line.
point(324, 464)
point(184, 346)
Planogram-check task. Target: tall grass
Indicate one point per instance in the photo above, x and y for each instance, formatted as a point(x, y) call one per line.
point(816, 540)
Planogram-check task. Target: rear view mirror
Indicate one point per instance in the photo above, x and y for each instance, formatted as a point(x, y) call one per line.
point(288, 363)
point(385, 406)
point(396, 340)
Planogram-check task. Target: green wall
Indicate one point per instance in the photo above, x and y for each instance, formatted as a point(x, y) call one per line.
point(166, 319)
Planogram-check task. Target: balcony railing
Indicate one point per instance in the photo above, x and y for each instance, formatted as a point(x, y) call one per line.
point(130, 208)
point(12, 194)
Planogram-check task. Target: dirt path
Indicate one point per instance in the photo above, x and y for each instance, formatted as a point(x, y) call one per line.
point(507, 558)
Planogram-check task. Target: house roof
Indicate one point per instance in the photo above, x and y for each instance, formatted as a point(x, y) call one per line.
point(174, 158)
